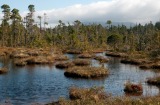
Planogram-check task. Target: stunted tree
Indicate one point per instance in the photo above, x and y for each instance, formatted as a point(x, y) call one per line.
point(45, 22)
point(77, 25)
point(6, 12)
point(31, 9)
point(30, 21)
point(5, 25)
point(16, 19)
point(114, 40)
point(157, 25)
point(109, 22)
point(40, 22)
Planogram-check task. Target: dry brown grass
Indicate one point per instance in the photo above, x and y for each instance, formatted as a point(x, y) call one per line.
point(40, 60)
point(3, 70)
point(117, 54)
point(33, 52)
point(156, 66)
point(154, 81)
point(63, 65)
point(19, 55)
point(101, 59)
point(97, 96)
point(95, 93)
point(98, 50)
point(6, 51)
point(73, 51)
point(145, 66)
point(151, 65)
point(81, 62)
point(61, 58)
point(20, 62)
point(2, 53)
point(86, 72)
point(133, 61)
point(85, 55)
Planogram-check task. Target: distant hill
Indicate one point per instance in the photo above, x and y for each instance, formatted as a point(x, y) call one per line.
point(127, 24)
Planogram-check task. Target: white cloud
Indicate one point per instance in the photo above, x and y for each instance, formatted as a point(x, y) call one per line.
point(117, 10)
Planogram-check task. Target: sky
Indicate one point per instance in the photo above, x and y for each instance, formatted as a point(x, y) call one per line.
point(135, 11)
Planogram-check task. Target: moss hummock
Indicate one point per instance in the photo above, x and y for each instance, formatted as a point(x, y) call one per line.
point(133, 61)
point(21, 62)
point(73, 52)
point(3, 70)
point(85, 55)
point(101, 59)
point(86, 72)
point(61, 58)
point(154, 81)
point(63, 65)
point(116, 54)
point(133, 88)
point(81, 62)
point(96, 93)
point(40, 60)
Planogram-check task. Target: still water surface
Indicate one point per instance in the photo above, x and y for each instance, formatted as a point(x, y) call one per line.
point(45, 83)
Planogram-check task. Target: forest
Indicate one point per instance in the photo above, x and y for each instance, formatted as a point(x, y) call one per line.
point(16, 31)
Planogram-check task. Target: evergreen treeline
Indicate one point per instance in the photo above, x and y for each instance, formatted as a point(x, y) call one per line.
point(18, 32)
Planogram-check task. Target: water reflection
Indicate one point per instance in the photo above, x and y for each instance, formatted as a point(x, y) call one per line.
point(45, 83)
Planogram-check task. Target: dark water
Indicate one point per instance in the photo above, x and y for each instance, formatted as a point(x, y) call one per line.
point(45, 83)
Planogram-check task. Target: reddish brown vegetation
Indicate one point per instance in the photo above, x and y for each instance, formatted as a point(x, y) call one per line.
point(133, 88)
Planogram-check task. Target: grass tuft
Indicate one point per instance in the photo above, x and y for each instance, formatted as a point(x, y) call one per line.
point(86, 72)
